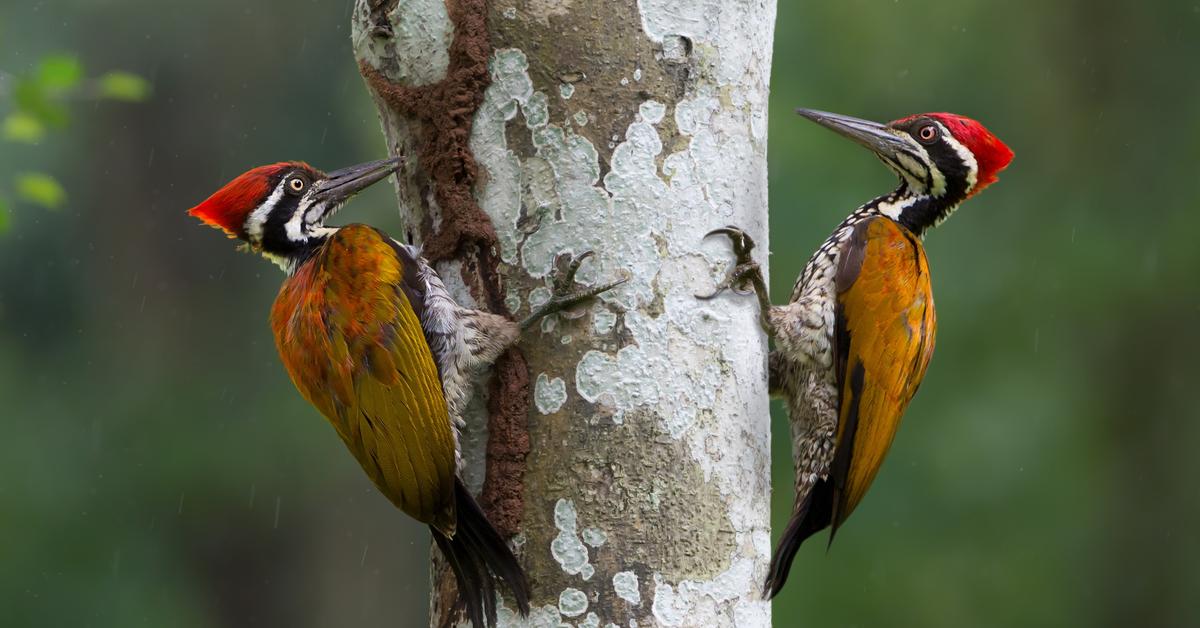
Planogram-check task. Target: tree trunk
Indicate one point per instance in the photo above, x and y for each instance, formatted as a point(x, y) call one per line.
point(629, 447)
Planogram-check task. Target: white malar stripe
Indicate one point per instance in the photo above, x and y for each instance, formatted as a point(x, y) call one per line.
point(965, 155)
point(258, 218)
point(295, 226)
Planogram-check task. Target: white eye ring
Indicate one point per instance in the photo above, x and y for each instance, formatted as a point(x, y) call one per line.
point(927, 133)
point(296, 184)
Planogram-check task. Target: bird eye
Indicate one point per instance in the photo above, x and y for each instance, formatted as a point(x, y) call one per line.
point(927, 133)
point(296, 184)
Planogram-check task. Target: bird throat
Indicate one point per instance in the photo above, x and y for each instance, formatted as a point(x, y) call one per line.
point(917, 211)
point(290, 261)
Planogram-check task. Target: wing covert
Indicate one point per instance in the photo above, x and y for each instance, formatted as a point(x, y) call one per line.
point(353, 345)
point(883, 342)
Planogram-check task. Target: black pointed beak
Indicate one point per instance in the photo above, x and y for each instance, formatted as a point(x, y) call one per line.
point(879, 138)
point(340, 185)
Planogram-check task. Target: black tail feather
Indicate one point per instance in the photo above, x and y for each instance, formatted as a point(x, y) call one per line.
point(810, 517)
point(479, 557)
point(466, 576)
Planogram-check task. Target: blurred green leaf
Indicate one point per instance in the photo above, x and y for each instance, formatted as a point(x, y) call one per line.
point(31, 98)
point(22, 127)
point(124, 86)
point(41, 189)
point(4, 218)
point(59, 72)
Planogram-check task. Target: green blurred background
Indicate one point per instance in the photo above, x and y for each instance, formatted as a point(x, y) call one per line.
point(157, 468)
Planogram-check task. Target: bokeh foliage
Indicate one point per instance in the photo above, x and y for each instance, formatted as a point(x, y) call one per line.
point(36, 101)
point(158, 469)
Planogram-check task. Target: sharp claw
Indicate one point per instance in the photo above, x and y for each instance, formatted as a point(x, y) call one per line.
point(582, 256)
point(569, 279)
point(722, 288)
point(591, 293)
point(729, 231)
point(742, 243)
point(741, 293)
point(613, 284)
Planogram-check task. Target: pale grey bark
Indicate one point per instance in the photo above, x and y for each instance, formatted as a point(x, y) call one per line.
point(630, 129)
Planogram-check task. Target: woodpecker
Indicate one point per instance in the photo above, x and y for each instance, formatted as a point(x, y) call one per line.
point(853, 343)
point(372, 339)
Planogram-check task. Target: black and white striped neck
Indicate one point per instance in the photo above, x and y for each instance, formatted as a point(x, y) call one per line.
point(917, 211)
point(296, 253)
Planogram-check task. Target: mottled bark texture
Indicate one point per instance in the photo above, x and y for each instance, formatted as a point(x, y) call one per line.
point(627, 449)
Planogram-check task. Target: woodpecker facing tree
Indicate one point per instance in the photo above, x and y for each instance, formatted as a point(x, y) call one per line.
point(852, 345)
point(370, 336)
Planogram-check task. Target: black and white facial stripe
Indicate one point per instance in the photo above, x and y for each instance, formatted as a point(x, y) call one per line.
point(290, 222)
point(936, 174)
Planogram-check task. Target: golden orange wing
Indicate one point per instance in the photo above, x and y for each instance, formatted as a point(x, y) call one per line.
point(354, 347)
point(884, 339)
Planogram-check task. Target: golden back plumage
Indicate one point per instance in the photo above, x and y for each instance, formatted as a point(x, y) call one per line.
point(354, 347)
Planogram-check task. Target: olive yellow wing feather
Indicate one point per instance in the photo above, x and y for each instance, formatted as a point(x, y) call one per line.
point(883, 342)
point(354, 347)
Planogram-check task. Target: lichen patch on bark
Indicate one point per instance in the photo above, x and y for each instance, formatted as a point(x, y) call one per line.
point(595, 49)
point(548, 182)
point(651, 490)
point(631, 128)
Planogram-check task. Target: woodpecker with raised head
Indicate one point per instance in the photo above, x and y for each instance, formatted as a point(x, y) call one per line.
point(852, 344)
point(370, 336)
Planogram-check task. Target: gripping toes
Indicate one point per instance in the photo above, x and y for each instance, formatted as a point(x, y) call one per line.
point(567, 294)
point(745, 270)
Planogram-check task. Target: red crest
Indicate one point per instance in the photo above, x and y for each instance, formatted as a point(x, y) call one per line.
point(991, 154)
point(228, 208)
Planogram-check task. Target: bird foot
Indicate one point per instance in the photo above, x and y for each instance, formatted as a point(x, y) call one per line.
point(746, 270)
point(565, 295)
